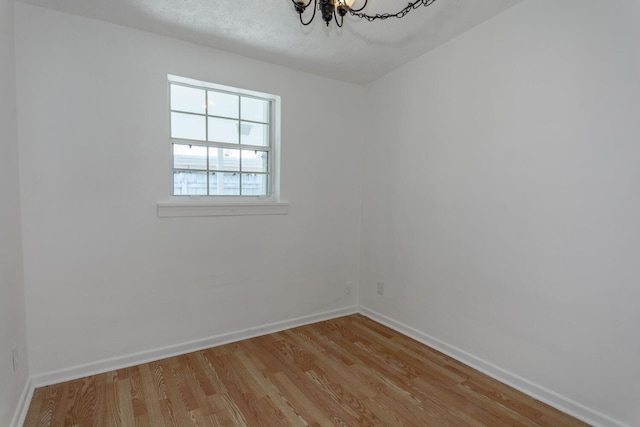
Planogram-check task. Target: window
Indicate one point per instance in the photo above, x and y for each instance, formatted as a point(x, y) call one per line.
point(223, 140)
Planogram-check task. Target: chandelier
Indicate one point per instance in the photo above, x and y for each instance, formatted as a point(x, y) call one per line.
point(337, 9)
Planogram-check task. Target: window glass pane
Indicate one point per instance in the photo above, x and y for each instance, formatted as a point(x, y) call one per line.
point(224, 184)
point(254, 161)
point(188, 126)
point(223, 130)
point(223, 104)
point(254, 184)
point(256, 110)
point(224, 159)
point(220, 140)
point(189, 183)
point(189, 157)
point(254, 134)
point(188, 99)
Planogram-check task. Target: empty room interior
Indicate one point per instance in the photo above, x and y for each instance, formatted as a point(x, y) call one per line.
point(463, 180)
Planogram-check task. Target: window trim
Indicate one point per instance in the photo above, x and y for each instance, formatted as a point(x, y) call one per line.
point(211, 205)
point(274, 133)
point(175, 209)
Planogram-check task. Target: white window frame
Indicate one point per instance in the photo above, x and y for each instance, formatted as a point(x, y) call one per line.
point(214, 205)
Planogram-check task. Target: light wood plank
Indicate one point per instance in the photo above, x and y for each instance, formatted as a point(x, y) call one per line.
point(343, 372)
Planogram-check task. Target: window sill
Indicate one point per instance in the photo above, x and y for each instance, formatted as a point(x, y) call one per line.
point(192, 209)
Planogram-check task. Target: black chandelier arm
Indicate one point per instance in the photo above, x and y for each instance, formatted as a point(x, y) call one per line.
point(359, 9)
point(335, 17)
point(309, 21)
point(301, 8)
point(411, 6)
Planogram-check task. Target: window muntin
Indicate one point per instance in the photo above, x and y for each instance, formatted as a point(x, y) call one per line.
point(222, 141)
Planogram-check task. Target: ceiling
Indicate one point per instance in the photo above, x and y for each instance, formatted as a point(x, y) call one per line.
point(269, 30)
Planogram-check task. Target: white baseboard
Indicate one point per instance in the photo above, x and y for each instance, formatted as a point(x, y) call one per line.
point(540, 393)
point(23, 405)
point(133, 359)
point(547, 396)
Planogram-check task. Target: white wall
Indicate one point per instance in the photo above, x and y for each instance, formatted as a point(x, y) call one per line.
point(12, 309)
point(501, 199)
point(104, 276)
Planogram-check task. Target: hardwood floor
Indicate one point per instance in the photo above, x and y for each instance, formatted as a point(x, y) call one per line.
point(349, 371)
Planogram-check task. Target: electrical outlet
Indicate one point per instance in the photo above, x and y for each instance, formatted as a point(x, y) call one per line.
point(347, 288)
point(380, 288)
point(15, 358)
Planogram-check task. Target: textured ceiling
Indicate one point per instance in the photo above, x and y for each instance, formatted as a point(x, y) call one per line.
point(270, 30)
